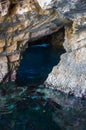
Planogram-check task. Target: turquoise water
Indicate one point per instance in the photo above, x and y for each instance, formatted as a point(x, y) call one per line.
point(23, 108)
point(28, 105)
point(29, 114)
point(41, 108)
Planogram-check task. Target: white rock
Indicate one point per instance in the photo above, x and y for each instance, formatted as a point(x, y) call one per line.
point(45, 3)
point(3, 67)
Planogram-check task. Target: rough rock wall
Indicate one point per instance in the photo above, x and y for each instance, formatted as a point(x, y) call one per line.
point(70, 74)
point(22, 21)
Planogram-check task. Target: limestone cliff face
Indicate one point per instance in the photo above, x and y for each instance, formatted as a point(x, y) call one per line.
point(70, 74)
point(22, 21)
point(27, 20)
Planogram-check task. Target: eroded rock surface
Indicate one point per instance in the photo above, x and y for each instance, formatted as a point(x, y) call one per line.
point(22, 21)
point(3, 67)
point(70, 74)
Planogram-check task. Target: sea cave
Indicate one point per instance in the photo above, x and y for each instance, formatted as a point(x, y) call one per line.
point(42, 65)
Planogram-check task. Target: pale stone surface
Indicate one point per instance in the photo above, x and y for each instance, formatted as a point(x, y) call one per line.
point(4, 7)
point(27, 21)
point(70, 74)
point(45, 3)
point(74, 41)
point(65, 5)
point(3, 67)
point(14, 58)
point(72, 9)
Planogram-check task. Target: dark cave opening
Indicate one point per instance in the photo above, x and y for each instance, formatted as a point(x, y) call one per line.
point(55, 39)
point(39, 59)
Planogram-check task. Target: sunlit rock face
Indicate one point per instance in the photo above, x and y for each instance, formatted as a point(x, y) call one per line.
point(69, 75)
point(45, 4)
point(28, 20)
point(3, 66)
point(72, 9)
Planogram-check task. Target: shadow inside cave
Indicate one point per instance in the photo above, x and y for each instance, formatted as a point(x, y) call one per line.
point(38, 61)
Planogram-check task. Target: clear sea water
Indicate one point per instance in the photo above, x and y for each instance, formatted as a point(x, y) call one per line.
point(28, 105)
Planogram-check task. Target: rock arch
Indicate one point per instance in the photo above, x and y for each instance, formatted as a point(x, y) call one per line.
point(26, 20)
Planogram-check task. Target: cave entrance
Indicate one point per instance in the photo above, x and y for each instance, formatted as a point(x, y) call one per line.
point(39, 59)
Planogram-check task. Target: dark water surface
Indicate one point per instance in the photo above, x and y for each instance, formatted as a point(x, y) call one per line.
point(29, 114)
point(23, 109)
point(37, 63)
point(28, 105)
